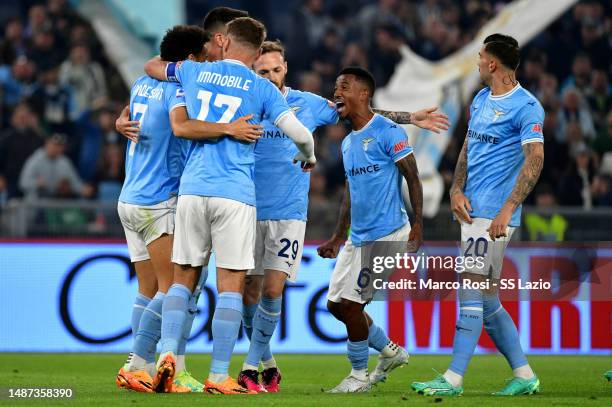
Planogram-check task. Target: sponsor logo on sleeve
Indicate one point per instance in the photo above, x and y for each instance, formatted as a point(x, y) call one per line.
point(400, 146)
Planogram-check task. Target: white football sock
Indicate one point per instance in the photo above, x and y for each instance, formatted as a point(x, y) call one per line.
point(269, 364)
point(180, 363)
point(217, 377)
point(524, 372)
point(361, 374)
point(246, 366)
point(150, 369)
point(136, 363)
point(455, 379)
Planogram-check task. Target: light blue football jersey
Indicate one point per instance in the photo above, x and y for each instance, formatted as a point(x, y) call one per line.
point(370, 154)
point(498, 127)
point(154, 165)
point(221, 92)
point(281, 186)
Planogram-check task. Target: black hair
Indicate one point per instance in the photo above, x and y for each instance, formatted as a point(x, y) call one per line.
point(220, 16)
point(505, 48)
point(362, 75)
point(182, 40)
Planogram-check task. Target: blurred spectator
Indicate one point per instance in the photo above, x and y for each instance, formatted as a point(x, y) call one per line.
point(18, 82)
point(556, 155)
point(534, 72)
point(86, 78)
point(381, 13)
point(581, 74)
point(547, 92)
point(331, 155)
point(37, 20)
point(13, 45)
point(110, 172)
point(308, 25)
point(17, 143)
point(543, 225)
point(44, 51)
point(54, 102)
point(574, 188)
point(62, 17)
point(354, 55)
point(594, 41)
point(386, 53)
point(574, 110)
point(603, 142)
point(48, 173)
point(94, 137)
point(601, 190)
point(311, 82)
point(600, 98)
point(327, 56)
point(320, 207)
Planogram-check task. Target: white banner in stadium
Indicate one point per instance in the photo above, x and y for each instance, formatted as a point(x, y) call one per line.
point(418, 83)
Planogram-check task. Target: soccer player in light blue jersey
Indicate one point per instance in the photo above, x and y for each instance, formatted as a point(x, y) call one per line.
point(282, 202)
point(216, 205)
point(154, 163)
point(498, 166)
point(376, 156)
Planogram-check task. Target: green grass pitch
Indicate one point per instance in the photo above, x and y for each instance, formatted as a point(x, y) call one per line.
point(566, 380)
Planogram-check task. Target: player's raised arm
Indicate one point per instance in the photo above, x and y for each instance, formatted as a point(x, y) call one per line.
point(426, 119)
point(156, 68)
point(239, 129)
point(301, 136)
point(407, 166)
point(460, 204)
point(527, 179)
point(330, 249)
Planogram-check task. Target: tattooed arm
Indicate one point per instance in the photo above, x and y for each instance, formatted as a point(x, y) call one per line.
point(528, 177)
point(426, 118)
point(397, 117)
point(408, 168)
point(460, 204)
point(330, 248)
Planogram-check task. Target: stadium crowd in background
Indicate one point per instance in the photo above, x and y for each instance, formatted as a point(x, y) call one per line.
point(56, 82)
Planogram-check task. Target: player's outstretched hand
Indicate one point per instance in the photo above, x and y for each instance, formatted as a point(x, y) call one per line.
point(307, 163)
point(330, 249)
point(430, 120)
point(415, 238)
point(461, 207)
point(128, 128)
point(499, 225)
point(242, 130)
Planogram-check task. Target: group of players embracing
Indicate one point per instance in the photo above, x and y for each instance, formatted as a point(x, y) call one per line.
point(218, 160)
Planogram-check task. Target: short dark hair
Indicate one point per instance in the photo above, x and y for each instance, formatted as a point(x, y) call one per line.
point(248, 31)
point(218, 17)
point(362, 75)
point(273, 46)
point(505, 48)
point(182, 40)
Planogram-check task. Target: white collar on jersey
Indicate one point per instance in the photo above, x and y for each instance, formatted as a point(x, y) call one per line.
point(234, 61)
point(505, 95)
point(367, 124)
point(286, 92)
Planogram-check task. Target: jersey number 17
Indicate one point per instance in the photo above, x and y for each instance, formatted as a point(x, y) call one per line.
point(232, 103)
